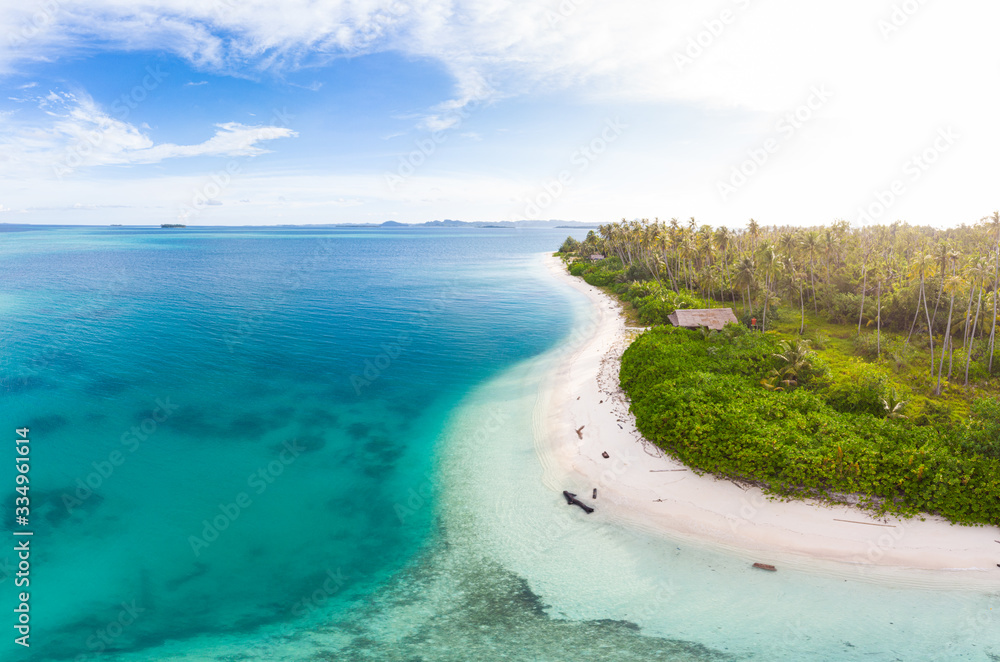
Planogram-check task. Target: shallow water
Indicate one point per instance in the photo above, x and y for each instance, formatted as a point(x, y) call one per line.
point(410, 519)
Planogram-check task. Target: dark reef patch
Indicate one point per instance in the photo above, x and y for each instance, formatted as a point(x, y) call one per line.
point(47, 424)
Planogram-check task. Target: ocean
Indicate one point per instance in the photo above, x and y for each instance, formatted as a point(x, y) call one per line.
point(319, 444)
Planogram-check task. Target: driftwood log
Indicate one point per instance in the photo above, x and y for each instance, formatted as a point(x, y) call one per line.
point(573, 501)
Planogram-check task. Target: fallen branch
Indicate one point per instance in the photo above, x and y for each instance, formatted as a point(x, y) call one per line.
point(891, 526)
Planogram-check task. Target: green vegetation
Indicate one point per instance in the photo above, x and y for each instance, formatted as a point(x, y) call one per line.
point(873, 382)
point(819, 434)
point(651, 301)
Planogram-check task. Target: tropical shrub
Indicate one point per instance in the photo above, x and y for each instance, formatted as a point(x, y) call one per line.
point(655, 307)
point(859, 388)
point(571, 245)
point(844, 308)
point(983, 432)
point(699, 397)
point(601, 273)
point(866, 345)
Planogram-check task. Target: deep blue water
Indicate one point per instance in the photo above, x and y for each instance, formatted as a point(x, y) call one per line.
point(222, 418)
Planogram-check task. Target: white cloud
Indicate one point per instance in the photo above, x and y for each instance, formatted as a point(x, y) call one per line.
point(195, 84)
point(759, 58)
point(81, 134)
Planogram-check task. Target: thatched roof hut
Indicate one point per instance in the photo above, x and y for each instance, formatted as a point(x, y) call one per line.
point(695, 318)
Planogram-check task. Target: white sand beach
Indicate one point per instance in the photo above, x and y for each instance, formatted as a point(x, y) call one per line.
point(641, 487)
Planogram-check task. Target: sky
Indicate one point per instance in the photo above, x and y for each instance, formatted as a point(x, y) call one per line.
point(236, 112)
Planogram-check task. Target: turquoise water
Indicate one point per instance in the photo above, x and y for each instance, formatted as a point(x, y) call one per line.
point(334, 458)
point(355, 345)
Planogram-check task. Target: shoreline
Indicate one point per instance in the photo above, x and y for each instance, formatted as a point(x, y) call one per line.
point(641, 487)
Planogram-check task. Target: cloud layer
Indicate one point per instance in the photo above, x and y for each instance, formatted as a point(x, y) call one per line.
point(81, 135)
point(897, 72)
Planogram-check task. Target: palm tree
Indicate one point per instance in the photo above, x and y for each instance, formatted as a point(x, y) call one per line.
point(864, 285)
point(723, 239)
point(793, 280)
point(746, 276)
point(796, 358)
point(771, 264)
point(811, 247)
point(994, 226)
point(648, 241)
point(944, 257)
point(829, 249)
point(753, 230)
point(979, 274)
point(886, 276)
point(952, 284)
point(920, 262)
point(770, 301)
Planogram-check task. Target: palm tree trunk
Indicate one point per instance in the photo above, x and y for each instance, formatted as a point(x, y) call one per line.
point(947, 333)
point(802, 304)
point(996, 282)
point(878, 323)
point(812, 277)
point(930, 331)
point(968, 325)
point(951, 355)
point(670, 273)
point(827, 275)
point(864, 289)
point(972, 340)
point(920, 294)
point(937, 302)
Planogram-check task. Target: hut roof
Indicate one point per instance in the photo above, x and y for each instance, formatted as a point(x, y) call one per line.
point(713, 318)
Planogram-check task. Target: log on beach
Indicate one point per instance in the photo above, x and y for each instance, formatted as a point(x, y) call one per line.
point(573, 501)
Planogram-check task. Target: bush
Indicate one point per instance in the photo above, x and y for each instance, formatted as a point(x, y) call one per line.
point(699, 397)
point(655, 307)
point(601, 274)
point(844, 308)
point(859, 388)
point(638, 272)
point(819, 339)
point(982, 435)
point(571, 245)
point(633, 291)
point(866, 345)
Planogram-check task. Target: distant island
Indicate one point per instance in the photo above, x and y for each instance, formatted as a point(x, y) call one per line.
point(172, 225)
point(450, 223)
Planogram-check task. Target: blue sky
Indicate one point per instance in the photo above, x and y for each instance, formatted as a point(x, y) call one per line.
point(322, 111)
